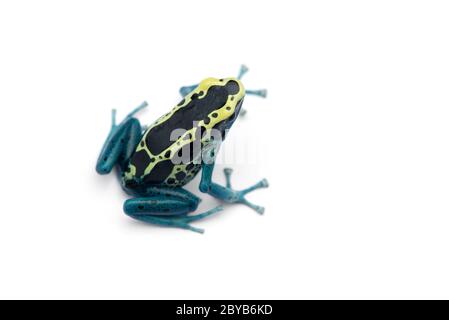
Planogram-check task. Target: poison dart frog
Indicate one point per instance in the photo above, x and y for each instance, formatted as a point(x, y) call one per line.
point(154, 163)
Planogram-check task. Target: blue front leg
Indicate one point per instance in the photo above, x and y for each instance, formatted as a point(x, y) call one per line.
point(228, 194)
point(187, 89)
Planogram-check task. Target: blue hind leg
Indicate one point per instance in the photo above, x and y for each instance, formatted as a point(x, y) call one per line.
point(120, 143)
point(167, 207)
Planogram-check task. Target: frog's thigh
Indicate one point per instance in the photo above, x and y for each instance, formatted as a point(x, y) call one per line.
point(121, 141)
point(130, 142)
point(119, 145)
point(166, 209)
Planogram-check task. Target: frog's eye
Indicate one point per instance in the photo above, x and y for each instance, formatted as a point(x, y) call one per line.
point(233, 87)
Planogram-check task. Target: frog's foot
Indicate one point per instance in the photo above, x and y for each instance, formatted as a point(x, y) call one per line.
point(181, 221)
point(142, 106)
point(233, 196)
point(260, 93)
point(261, 184)
point(241, 194)
point(243, 70)
point(187, 89)
point(114, 124)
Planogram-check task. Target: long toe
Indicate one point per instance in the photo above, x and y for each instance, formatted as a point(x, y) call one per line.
point(264, 183)
point(261, 184)
point(227, 171)
point(258, 209)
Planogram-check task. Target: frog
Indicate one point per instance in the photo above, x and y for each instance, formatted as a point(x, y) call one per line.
point(155, 162)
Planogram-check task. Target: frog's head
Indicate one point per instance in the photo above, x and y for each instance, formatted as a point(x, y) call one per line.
point(220, 102)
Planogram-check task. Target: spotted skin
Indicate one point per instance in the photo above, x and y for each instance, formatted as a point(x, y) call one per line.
point(213, 102)
point(155, 163)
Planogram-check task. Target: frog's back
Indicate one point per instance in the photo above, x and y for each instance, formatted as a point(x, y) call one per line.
point(170, 150)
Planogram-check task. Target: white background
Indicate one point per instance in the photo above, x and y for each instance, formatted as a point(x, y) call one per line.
point(353, 138)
